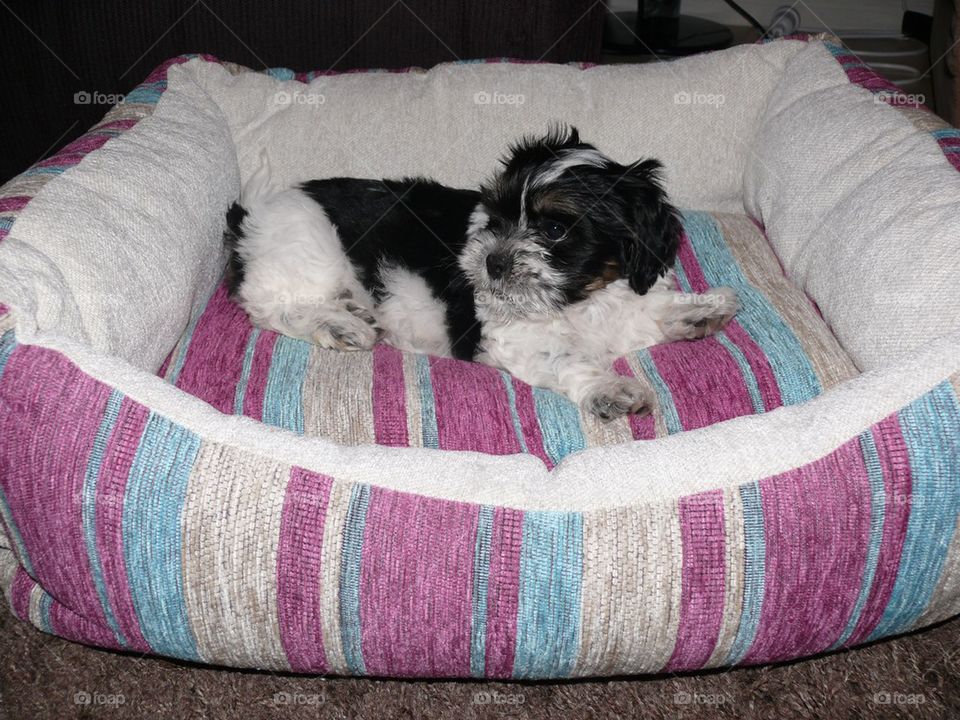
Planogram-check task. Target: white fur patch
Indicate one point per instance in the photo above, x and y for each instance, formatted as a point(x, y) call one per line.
point(411, 317)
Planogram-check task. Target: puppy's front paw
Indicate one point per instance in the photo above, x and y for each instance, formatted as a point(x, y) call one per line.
point(699, 316)
point(617, 397)
point(347, 332)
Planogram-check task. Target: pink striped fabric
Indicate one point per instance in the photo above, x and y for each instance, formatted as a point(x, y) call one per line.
point(68, 624)
point(529, 424)
point(71, 404)
point(15, 202)
point(389, 397)
point(259, 372)
point(704, 369)
point(895, 464)
point(415, 606)
point(642, 427)
point(759, 364)
point(503, 598)
point(221, 334)
point(298, 570)
point(703, 580)
point(817, 527)
point(111, 489)
point(473, 411)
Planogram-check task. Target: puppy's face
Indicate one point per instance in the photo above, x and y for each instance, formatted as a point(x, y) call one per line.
point(562, 220)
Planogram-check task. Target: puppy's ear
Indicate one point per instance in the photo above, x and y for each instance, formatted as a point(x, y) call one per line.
point(649, 249)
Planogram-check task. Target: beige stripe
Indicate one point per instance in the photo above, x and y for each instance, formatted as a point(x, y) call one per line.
point(923, 120)
point(33, 607)
point(632, 565)
point(338, 396)
point(330, 576)
point(412, 390)
point(7, 321)
point(945, 599)
point(734, 563)
point(231, 529)
point(597, 432)
point(760, 265)
point(27, 185)
point(8, 568)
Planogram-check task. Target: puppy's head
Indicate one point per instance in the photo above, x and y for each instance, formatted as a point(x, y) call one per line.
point(561, 220)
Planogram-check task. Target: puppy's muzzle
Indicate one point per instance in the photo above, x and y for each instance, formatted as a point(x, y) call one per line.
point(499, 265)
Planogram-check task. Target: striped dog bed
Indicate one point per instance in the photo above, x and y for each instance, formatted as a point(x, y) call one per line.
point(176, 482)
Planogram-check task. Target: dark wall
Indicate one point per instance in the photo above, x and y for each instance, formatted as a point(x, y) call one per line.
point(54, 49)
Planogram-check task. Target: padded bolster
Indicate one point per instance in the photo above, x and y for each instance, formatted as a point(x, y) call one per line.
point(859, 199)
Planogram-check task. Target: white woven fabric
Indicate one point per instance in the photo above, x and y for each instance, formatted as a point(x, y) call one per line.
point(861, 206)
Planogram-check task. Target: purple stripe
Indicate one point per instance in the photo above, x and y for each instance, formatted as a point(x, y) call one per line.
point(503, 592)
point(529, 423)
point(416, 585)
point(895, 465)
point(698, 369)
point(759, 365)
point(214, 360)
point(642, 427)
point(816, 532)
point(473, 410)
point(691, 266)
point(298, 570)
point(111, 490)
point(14, 203)
point(389, 397)
point(704, 580)
point(83, 145)
point(65, 623)
point(43, 473)
point(259, 373)
point(950, 153)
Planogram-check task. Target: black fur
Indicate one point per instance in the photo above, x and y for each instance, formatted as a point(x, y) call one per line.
point(617, 222)
point(618, 217)
point(414, 223)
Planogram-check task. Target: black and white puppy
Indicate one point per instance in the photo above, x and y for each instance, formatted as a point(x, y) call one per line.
point(553, 269)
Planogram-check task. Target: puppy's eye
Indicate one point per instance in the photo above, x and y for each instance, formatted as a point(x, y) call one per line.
point(554, 230)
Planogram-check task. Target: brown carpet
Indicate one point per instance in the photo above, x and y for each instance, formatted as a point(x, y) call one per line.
point(45, 677)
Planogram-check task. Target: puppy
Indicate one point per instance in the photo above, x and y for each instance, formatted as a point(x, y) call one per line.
point(553, 269)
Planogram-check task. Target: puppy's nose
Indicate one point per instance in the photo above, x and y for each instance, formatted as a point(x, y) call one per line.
point(498, 265)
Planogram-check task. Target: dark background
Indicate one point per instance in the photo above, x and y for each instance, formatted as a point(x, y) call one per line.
point(53, 49)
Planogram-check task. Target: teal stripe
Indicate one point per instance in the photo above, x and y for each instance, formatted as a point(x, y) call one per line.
point(280, 73)
point(682, 280)
point(350, 562)
point(791, 367)
point(559, 424)
point(754, 572)
point(146, 94)
point(46, 602)
point(481, 578)
point(428, 410)
point(878, 501)
point(283, 397)
point(931, 429)
point(756, 399)
point(548, 616)
point(514, 415)
point(8, 342)
point(153, 535)
point(245, 372)
point(88, 509)
point(664, 397)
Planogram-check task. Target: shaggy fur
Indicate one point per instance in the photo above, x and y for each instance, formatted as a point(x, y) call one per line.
point(553, 269)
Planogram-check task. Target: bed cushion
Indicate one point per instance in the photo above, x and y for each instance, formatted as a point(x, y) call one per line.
point(139, 517)
point(778, 351)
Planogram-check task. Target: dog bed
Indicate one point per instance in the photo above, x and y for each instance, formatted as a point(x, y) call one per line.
point(174, 481)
